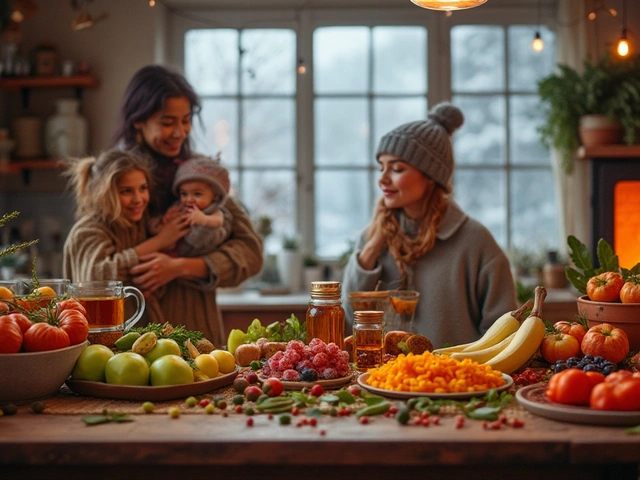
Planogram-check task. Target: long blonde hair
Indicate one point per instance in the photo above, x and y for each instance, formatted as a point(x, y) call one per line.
point(94, 183)
point(405, 250)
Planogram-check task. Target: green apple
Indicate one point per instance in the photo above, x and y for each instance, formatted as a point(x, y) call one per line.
point(170, 370)
point(164, 346)
point(91, 363)
point(235, 339)
point(127, 368)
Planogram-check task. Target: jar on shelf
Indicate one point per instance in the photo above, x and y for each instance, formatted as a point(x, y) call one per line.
point(325, 315)
point(66, 131)
point(27, 131)
point(368, 338)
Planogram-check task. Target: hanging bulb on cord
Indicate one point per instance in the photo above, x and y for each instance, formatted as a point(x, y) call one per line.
point(537, 43)
point(623, 44)
point(152, 3)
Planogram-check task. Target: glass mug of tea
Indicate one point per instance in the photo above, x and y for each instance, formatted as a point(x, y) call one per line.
point(105, 304)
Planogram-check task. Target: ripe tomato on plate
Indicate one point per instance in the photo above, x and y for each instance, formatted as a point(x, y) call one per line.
point(573, 386)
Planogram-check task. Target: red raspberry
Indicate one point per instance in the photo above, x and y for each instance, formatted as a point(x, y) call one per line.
point(343, 371)
point(286, 365)
point(291, 356)
point(297, 346)
point(291, 376)
point(266, 370)
point(333, 350)
point(330, 373)
point(320, 360)
point(344, 356)
point(302, 364)
point(249, 422)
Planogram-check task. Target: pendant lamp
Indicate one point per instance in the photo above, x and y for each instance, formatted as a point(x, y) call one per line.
point(448, 5)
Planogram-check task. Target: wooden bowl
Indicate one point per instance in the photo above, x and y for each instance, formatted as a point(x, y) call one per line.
point(621, 315)
point(29, 376)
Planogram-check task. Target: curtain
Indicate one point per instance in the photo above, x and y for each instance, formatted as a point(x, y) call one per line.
point(575, 42)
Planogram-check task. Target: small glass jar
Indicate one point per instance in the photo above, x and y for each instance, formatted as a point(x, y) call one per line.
point(325, 315)
point(368, 338)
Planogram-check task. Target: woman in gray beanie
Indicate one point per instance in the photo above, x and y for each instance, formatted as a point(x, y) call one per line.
point(419, 238)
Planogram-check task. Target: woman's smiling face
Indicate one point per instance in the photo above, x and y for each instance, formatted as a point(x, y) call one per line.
point(403, 185)
point(165, 131)
point(133, 192)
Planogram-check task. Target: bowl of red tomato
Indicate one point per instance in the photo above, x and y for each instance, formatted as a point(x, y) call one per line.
point(38, 349)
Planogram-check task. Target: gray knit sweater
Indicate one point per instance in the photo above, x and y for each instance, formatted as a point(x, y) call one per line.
point(465, 281)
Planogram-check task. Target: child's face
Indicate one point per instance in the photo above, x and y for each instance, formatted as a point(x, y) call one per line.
point(133, 192)
point(196, 193)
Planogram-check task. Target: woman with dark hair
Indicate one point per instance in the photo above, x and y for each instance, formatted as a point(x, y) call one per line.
point(155, 121)
point(420, 239)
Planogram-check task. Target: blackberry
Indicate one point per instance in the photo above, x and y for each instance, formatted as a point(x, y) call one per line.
point(308, 375)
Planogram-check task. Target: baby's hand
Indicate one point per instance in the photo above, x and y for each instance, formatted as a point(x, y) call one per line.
point(195, 216)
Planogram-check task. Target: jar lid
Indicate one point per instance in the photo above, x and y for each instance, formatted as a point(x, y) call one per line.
point(325, 289)
point(368, 316)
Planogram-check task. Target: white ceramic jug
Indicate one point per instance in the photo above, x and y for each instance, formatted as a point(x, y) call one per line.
point(66, 131)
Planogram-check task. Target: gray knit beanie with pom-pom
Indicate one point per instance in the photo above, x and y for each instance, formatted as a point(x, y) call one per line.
point(426, 144)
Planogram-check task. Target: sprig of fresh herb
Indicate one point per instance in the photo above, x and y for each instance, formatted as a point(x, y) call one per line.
point(7, 217)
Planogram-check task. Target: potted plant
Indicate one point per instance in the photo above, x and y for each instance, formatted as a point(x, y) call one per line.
point(289, 262)
point(608, 88)
point(312, 271)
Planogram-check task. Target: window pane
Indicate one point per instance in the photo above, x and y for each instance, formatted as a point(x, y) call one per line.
point(220, 120)
point(533, 206)
point(211, 61)
point(342, 209)
point(526, 117)
point(482, 195)
point(477, 58)
point(389, 113)
point(341, 59)
point(399, 60)
point(526, 66)
point(482, 138)
point(268, 61)
point(341, 132)
point(268, 133)
point(271, 193)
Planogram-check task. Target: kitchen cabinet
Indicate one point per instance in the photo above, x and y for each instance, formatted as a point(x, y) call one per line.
point(25, 85)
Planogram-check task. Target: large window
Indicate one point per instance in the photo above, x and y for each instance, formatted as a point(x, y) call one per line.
point(297, 113)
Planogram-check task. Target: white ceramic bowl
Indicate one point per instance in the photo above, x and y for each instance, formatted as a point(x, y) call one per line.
point(25, 377)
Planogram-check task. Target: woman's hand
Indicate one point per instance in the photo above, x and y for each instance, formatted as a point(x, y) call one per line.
point(172, 231)
point(154, 271)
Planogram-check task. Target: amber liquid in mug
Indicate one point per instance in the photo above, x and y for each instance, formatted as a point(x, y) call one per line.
point(104, 312)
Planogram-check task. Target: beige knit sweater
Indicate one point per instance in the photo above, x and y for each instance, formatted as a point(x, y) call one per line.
point(94, 251)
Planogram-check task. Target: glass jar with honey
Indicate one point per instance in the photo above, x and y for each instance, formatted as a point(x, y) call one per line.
point(368, 338)
point(325, 316)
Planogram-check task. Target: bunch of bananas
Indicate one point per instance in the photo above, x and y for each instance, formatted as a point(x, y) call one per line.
point(509, 342)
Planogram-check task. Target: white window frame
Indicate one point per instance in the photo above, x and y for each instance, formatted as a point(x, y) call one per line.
point(305, 21)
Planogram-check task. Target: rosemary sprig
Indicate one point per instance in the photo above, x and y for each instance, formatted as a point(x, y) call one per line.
point(7, 217)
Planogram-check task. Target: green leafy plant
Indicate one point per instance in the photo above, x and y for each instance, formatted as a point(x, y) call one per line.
point(290, 243)
point(310, 261)
point(607, 259)
point(610, 87)
point(12, 249)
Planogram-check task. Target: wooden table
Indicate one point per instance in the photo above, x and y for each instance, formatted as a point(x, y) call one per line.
point(197, 446)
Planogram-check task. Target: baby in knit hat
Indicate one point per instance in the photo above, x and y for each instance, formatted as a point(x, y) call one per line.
point(202, 185)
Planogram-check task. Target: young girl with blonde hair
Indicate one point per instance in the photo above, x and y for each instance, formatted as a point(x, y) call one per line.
point(420, 239)
point(112, 194)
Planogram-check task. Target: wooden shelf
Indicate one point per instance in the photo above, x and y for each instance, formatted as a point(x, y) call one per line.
point(17, 166)
point(76, 81)
point(609, 151)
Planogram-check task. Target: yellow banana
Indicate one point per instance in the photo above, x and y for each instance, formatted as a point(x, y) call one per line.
point(485, 354)
point(501, 329)
point(526, 340)
point(452, 349)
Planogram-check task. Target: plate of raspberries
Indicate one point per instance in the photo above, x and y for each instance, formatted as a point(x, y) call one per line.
point(300, 365)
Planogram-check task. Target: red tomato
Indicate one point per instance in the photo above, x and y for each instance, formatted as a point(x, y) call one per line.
point(627, 394)
point(572, 386)
point(71, 304)
point(607, 341)
point(602, 397)
point(605, 287)
point(272, 387)
point(19, 319)
point(574, 329)
point(42, 337)
point(630, 292)
point(617, 377)
point(559, 346)
point(10, 337)
point(75, 324)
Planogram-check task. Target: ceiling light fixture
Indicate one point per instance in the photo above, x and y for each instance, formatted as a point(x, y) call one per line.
point(85, 20)
point(537, 43)
point(623, 44)
point(23, 10)
point(448, 5)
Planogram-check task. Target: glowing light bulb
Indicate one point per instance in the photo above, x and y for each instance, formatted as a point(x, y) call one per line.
point(537, 43)
point(592, 16)
point(623, 45)
point(613, 12)
point(152, 3)
point(302, 68)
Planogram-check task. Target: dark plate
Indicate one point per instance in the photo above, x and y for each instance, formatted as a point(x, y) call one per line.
point(534, 400)
point(143, 394)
